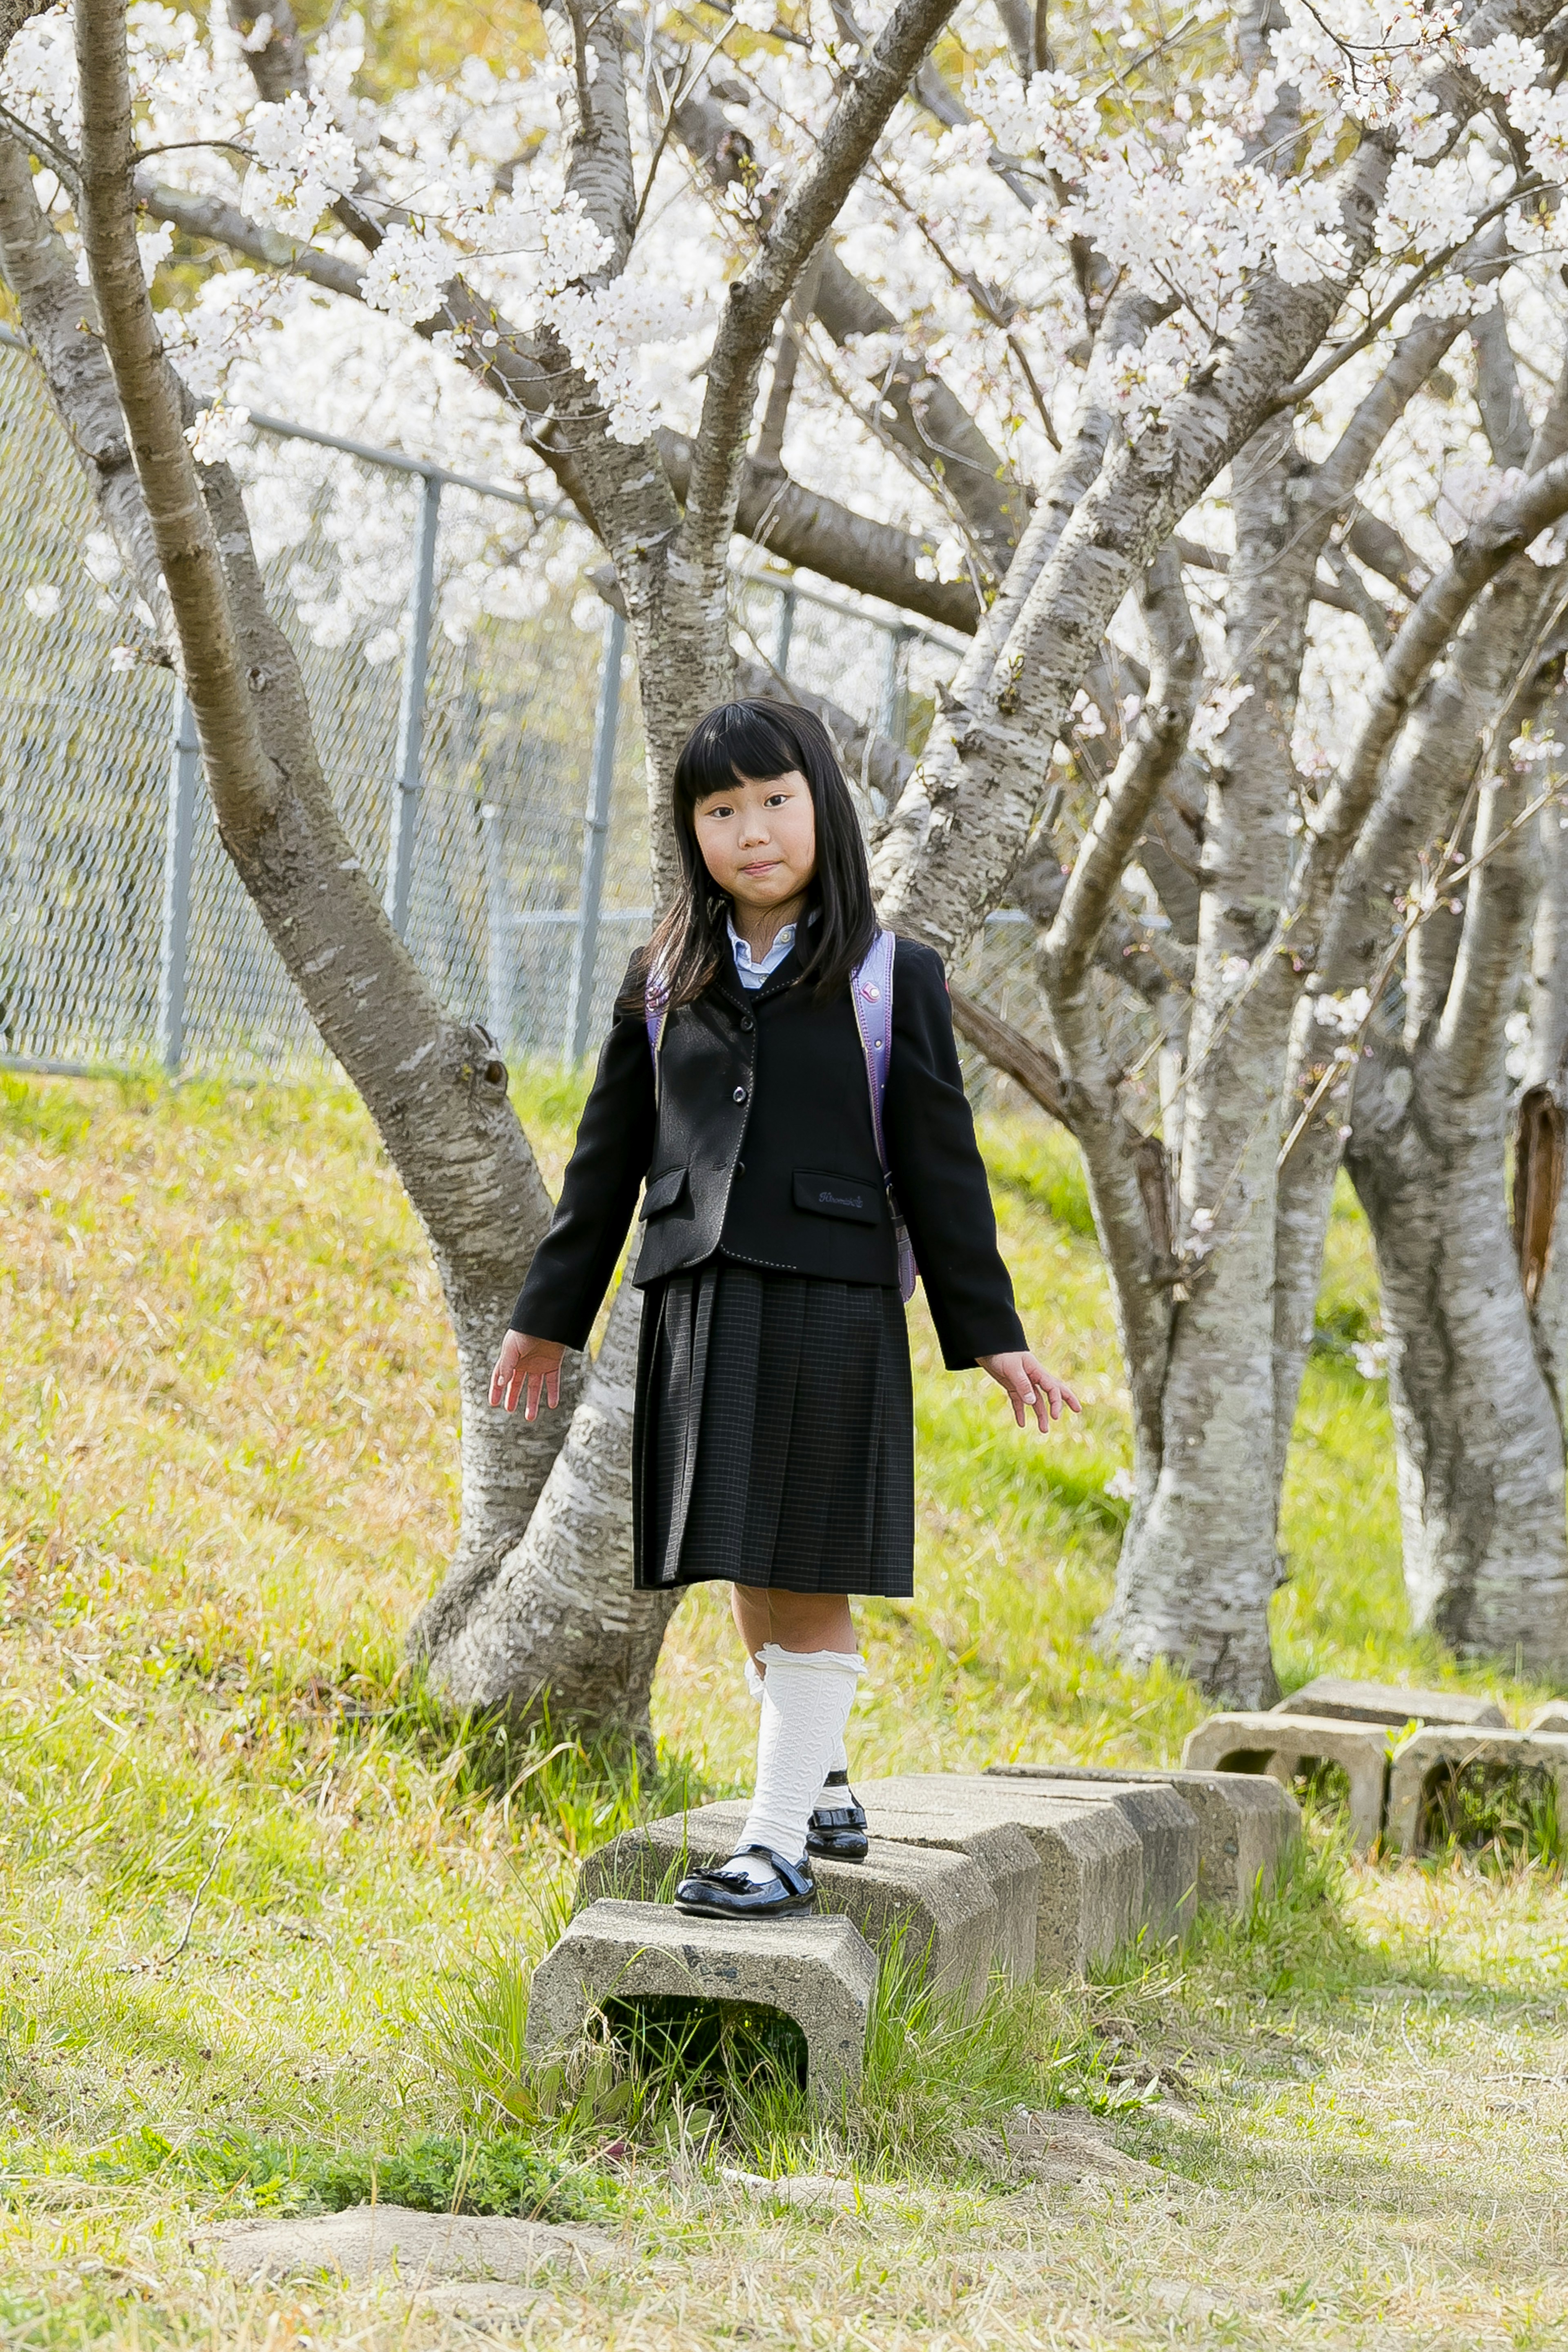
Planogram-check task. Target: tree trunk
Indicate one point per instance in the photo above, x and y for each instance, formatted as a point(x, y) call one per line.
point(1546, 1068)
point(432, 1084)
point(1481, 1497)
point(559, 1629)
point(1198, 1568)
point(1480, 1456)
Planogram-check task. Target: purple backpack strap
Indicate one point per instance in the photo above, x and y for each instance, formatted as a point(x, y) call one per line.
point(655, 1005)
point(871, 992)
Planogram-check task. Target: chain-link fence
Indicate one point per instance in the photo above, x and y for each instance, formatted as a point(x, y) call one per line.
point(481, 743)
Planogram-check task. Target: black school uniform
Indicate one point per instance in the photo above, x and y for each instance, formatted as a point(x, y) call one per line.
point(774, 1433)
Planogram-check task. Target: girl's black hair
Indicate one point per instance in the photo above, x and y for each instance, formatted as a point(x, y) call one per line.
point(758, 740)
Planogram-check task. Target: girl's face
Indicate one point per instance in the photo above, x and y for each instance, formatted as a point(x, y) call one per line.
point(758, 839)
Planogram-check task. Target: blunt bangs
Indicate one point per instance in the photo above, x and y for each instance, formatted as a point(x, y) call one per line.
point(738, 741)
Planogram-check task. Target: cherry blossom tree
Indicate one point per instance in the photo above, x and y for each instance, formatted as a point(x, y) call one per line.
point(1178, 367)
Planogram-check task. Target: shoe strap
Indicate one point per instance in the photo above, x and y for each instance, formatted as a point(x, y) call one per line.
point(790, 1875)
point(839, 1817)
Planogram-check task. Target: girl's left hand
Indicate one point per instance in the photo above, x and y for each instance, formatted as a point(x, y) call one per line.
point(1030, 1385)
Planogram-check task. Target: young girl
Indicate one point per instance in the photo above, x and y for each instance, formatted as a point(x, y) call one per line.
point(774, 1441)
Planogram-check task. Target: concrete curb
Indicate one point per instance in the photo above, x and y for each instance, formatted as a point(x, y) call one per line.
point(1091, 1886)
point(1333, 1698)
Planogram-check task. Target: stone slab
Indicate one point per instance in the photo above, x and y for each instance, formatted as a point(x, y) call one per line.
point(820, 1971)
point(1552, 1716)
point(941, 1902)
point(1167, 1830)
point(1336, 1699)
point(1247, 1824)
point(1011, 1868)
point(1450, 1749)
point(1090, 1884)
point(371, 2242)
point(1281, 1745)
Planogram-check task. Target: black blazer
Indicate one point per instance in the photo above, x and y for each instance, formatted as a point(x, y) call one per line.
point(761, 1146)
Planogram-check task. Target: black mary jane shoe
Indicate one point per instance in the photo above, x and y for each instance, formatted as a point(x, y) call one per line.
point(727, 1894)
point(838, 1832)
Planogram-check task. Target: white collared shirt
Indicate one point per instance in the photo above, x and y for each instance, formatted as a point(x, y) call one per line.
point(751, 973)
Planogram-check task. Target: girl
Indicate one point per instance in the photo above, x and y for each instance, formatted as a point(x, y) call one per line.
point(774, 1440)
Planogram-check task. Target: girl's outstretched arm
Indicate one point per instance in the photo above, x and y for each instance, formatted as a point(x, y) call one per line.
point(574, 1263)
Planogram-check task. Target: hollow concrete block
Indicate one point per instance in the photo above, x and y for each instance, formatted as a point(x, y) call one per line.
point(942, 1902)
point(1001, 1850)
point(1281, 1745)
point(821, 1973)
point(1416, 1760)
point(1247, 1824)
point(1167, 1830)
point(1552, 1716)
point(1335, 1699)
point(1090, 1884)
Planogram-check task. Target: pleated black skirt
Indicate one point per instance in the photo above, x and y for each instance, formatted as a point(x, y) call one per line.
point(774, 1441)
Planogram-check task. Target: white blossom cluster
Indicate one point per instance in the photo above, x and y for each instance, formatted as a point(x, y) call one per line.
point(1192, 180)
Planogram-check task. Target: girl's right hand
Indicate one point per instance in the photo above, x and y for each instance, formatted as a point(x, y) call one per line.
point(531, 1364)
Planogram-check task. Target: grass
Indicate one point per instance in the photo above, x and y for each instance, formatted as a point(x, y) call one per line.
point(269, 1916)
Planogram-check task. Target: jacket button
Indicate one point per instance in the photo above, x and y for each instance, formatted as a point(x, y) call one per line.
point(739, 1093)
point(747, 1022)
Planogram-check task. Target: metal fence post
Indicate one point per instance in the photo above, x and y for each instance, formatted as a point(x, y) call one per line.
point(497, 930)
point(787, 600)
point(601, 777)
point(184, 774)
point(410, 709)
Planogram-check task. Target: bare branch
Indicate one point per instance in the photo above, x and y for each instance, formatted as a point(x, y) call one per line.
point(757, 298)
point(1147, 761)
point(1422, 640)
point(1007, 1049)
point(241, 776)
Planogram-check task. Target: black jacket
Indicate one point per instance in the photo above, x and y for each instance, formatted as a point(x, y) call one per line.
point(761, 1146)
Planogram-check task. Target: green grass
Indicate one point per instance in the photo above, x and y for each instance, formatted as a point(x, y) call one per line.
point(270, 1915)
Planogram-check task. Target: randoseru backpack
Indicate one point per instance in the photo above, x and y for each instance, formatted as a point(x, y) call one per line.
point(871, 993)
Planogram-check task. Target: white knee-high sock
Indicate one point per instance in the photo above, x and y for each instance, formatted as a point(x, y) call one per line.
point(828, 1797)
point(806, 1701)
point(839, 1761)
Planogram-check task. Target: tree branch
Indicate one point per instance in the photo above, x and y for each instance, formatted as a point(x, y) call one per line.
point(968, 812)
point(1148, 760)
point(1422, 640)
point(1009, 1050)
point(757, 298)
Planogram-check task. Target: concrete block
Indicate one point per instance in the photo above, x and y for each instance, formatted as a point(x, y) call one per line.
point(1333, 1698)
point(820, 1971)
point(1552, 1716)
point(942, 1901)
point(1281, 1745)
point(1002, 1852)
point(1247, 1824)
point(1418, 1760)
point(1091, 1885)
point(1166, 1826)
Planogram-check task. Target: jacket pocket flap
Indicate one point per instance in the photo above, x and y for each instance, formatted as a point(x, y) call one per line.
point(662, 1192)
point(839, 1196)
